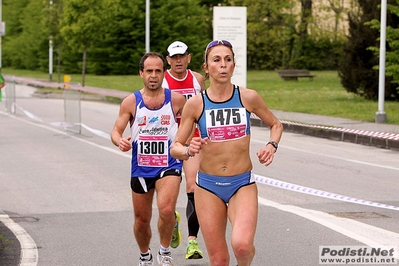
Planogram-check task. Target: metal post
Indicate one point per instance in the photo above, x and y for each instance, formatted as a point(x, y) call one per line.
point(147, 26)
point(1, 20)
point(380, 116)
point(50, 62)
point(50, 50)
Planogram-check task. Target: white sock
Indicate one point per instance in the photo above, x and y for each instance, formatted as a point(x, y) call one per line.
point(146, 256)
point(163, 250)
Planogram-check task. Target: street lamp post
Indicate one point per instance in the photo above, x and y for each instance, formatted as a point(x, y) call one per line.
point(1, 21)
point(380, 116)
point(147, 26)
point(1, 33)
point(50, 56)
point(50, 50)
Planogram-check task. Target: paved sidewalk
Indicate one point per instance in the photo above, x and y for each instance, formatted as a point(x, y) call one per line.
point(341, 129)
point(336, 122)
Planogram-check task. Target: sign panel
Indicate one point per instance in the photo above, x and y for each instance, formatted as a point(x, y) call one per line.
point(230, 23)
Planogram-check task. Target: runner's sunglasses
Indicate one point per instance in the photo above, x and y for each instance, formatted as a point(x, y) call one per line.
point(214, 43)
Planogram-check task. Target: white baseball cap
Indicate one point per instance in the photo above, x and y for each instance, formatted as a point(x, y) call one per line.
point(177, 47)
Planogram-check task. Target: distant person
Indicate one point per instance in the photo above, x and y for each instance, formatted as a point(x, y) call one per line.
point(188, 83)
point(226, 189)
point(151, 113)
point(2, 82)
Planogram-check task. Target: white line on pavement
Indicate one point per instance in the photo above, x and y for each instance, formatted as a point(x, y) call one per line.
point(364, 233)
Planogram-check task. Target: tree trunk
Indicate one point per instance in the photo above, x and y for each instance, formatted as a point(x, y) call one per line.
point(306, 14)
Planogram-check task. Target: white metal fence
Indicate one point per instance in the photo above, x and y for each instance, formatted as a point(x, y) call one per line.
point(72, 93)
point(72, 110)
point(9, 90)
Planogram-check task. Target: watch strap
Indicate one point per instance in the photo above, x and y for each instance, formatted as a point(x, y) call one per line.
point(273, 143)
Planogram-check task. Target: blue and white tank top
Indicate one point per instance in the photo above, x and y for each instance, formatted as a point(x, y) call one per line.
point(224, 121)
point(153, 131)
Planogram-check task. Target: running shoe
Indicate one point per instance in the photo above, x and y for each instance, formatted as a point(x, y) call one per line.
point(176, 238)
point(144, 262)
point(192, 250)
point(165, 259)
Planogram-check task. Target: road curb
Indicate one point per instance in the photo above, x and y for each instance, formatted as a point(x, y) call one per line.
point(369, 138)
point(10, 247)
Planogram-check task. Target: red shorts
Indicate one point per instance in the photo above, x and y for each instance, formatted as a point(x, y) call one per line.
point(196, 133)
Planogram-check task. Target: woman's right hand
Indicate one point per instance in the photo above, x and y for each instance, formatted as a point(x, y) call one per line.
point(196, 145)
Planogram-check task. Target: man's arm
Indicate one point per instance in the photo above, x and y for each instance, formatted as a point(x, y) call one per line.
point(126, 112)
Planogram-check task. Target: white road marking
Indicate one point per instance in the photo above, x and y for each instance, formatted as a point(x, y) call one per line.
point(364, 233)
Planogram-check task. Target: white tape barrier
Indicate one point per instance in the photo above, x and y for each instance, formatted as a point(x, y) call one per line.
point(28, 114)
point(320, 193)
point(97, 132)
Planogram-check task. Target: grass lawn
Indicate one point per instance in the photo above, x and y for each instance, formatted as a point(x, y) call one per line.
point(323, 96)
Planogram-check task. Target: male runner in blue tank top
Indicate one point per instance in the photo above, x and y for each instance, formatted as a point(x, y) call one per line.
point(151, 113)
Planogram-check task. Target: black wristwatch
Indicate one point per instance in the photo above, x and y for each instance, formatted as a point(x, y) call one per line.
point(275, 145)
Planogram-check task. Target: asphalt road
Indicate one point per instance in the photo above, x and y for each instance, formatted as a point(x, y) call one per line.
point(69, 193)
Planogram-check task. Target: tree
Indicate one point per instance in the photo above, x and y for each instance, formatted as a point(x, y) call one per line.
point(392, 53)
point(306, 16)
point(186, 21)
point(270, 28)
point(26, 41)
point(82, 25)
point(357, 68)
point(108, 36)
point(123, 40)
point(337, 6)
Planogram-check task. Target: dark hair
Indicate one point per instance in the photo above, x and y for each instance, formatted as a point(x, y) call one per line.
point(152, 54)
